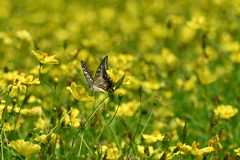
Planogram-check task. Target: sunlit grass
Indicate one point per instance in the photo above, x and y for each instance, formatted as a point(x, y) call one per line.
point(174, 66)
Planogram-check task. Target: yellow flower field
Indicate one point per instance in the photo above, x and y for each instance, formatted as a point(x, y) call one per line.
point(146, 79)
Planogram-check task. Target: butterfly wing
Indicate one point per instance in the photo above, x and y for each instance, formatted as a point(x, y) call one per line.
point(101, 82)
point(102, 69)
point(87, 74)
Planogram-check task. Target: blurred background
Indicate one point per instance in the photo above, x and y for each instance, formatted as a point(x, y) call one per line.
point(186, 52)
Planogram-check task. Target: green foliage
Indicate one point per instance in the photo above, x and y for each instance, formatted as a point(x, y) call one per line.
point(174, 64)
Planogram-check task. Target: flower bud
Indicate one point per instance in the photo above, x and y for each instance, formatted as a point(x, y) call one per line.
point(82, 123)
point(120, 96)
point(55, 80)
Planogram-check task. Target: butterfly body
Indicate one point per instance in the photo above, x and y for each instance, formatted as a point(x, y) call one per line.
point(101, 82)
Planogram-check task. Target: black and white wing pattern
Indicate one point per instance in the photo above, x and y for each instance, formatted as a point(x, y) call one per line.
point(101, 82)
point(87, 74)
point(102, 69)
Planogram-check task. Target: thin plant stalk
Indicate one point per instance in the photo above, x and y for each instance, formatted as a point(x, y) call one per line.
point(114, 134)
point(110, 120)
point(132, 139)
point(56, 125)
point(50, 85)
point(150, 116)
point(2, 126)
point(24, 101)
point(101, 131)
point(115, 112)
point(80, 147)
point(112, 146)
point(97, 107)
point(139, 118)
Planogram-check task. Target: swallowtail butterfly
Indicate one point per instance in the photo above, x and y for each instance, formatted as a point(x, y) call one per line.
point(101, 82)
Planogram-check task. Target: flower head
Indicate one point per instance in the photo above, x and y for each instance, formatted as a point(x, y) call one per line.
point(183, 148)
point(153, 137)
point(17, 86)
point(225, 111)
point(45, 58)
point(117, 76)
point(79, 93)
point(72, 119)
point(29, 80)
point(112, 152)
point(52, 140)
point(25, 148)
point(199, 152)
point(238, 151)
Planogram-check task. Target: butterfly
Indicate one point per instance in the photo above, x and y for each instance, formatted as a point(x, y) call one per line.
point(101, 82)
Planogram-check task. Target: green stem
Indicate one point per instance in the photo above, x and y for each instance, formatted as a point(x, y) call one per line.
point(80, 148)
point(1, 144)
point(147, 122)
point(112, 146)
point(90, 118)
point(116, 138)
point(132, 139)
point(56, 125)
point(101, 131)
point(115, 112)
point(209, 135)
point(13, 153)
point(75, 137)
point(2, 126)
point(97, 107)
point(24, 101)
point(139, 118)
point(154, 152)
point(7, 145)
point(50, 86)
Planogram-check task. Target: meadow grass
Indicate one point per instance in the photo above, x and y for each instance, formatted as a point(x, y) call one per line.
point(174, 65)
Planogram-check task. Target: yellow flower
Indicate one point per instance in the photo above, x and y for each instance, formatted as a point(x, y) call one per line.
point(205, 76)
point(8, 127)
point(35, 70)
point(116, 76)
point(112, 152)
point(25, 148)
point(153, 137)
point(54, 137)
point(42, 122)
point(17, 86)
point(127, 109)
point(141, 149)
point(74, 120)
point(225, 111)
point(183, 148)
point(199, 152)
point(196, 22)
point(45, 58)
point(79, 93)
point(188, 84)
point(29, 80)
point(24, 35)
point(37, 110)
point(238, 151)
